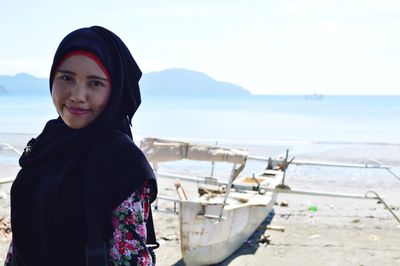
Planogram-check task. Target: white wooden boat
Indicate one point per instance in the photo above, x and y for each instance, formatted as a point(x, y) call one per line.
point(208, 239)
point(214, 225)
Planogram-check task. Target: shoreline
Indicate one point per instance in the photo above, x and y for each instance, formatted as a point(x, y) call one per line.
point(339, 232)
point(354, 152)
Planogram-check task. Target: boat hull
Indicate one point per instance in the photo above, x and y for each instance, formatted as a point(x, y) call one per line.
point(206, 241)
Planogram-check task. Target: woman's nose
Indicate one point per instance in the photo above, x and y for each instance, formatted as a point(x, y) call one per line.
point(78, 93)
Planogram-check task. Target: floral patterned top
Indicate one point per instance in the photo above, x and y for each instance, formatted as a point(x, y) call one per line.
point(129, 223)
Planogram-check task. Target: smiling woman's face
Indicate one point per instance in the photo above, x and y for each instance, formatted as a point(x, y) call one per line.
point(80, 91)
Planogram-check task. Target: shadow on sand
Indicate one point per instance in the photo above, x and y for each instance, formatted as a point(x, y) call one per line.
point(248, 247)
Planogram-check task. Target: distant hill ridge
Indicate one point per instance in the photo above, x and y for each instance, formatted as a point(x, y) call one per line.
point(179, 81)
point(23, 83)
point(169, 82)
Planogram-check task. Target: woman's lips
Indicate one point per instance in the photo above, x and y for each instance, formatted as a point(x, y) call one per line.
point(77, 110)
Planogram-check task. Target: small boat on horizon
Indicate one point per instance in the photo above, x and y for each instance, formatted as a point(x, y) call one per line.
point(314, 96)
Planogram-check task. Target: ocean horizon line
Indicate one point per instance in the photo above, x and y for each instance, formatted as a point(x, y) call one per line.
point(235, 141)
point(307, 96)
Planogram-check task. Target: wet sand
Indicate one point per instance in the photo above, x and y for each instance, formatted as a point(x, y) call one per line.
point(334, 231)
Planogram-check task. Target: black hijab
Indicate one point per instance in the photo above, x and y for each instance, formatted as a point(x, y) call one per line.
point(47, 197)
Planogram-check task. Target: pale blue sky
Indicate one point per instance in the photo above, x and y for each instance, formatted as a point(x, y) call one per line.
point(268, 47)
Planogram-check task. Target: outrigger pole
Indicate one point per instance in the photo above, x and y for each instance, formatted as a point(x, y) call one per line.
point(6, 146)
point(352, 165)
point(262, 189)
point(7, 180)
point(373, 164)
point(282, 188)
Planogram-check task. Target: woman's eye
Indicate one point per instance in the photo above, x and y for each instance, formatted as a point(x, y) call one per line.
point(65, 78)
point(96, 83)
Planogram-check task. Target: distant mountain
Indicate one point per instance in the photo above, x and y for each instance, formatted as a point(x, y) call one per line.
point(170, 82)
point(183, 82)
point(23, 83)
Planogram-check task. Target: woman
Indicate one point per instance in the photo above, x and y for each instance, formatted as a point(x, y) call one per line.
point(82, 196)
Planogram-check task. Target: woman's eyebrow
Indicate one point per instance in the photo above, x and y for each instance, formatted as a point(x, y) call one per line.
point(66, 72)
point(88, 77)
point(96, 77)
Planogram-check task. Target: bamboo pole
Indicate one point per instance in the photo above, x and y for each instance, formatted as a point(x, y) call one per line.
point(352, 165)
point(267, 189)
point(10, 148)
point(7, 180)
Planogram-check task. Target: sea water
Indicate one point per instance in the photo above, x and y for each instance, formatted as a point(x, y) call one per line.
point(256, 119)
point(295, 122)
point(273, 118)
point(25, 114)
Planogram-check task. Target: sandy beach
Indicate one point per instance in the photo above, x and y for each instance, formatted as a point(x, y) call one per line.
point(334, 231)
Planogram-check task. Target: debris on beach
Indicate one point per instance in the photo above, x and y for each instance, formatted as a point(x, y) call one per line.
point(265, 239)
point(5, 229)
point(284, 204)
point(286, 215)
point(315, 236)
point(373, 237)
point(313, 208)
point(275, 228)
point(272, 227)
point(392, 207)
point(170, 237)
